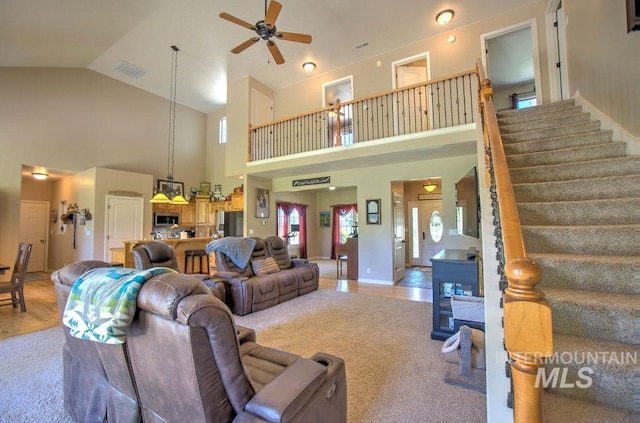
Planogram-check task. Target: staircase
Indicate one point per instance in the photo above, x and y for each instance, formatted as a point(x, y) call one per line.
point(577, 197)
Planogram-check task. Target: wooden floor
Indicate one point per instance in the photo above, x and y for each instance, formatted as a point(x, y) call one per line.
point(42, 309)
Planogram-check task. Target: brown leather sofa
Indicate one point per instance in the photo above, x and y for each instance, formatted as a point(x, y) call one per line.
point(186, 360)
point(248, 292)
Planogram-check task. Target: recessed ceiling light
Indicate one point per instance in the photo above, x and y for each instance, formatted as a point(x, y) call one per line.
point(309, 66)
point(444, 17)
point(332, 188)
point(451, 39)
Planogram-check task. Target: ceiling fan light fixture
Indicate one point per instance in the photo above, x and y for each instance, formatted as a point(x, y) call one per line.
point(444, 17)
point(429, 186)
point(40, 176)
point(309, 66)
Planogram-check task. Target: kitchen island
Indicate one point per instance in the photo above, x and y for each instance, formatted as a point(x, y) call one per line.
point(180, 245)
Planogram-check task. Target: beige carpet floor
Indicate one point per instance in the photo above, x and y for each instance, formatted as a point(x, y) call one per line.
point(395, 372)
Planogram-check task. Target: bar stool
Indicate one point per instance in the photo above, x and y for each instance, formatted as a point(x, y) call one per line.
point(192, 254)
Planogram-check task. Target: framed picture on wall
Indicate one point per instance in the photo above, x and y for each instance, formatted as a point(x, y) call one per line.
point(262, 202)
point(373, 212)
point(163, 186)
point(325, 219)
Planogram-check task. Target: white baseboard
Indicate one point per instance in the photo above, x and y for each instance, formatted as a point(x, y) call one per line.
point(375, 282)
point(619, 133)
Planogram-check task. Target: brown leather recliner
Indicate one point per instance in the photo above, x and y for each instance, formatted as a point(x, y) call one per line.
point(189, 365)
point(97, 382)
point(154, 254)
point(160, 254)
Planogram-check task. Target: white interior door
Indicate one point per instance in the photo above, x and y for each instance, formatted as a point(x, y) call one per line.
point(432, 230)
point(398, 237)
point(124, 221)
point(411, 115)
point(33, 230)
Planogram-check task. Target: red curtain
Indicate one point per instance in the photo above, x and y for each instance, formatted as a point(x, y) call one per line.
point(283, 228)
point(339, 210)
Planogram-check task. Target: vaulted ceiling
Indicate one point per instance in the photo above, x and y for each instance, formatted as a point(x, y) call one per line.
point(98, 34)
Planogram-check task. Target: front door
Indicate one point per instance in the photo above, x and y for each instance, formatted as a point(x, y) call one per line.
point(398, 237)
point(124, 221)
point(33, 230)
point(432, 228)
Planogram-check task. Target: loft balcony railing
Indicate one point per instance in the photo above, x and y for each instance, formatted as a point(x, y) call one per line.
point(435, 104)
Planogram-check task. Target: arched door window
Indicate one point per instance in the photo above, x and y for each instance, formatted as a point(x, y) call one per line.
point(435, 226)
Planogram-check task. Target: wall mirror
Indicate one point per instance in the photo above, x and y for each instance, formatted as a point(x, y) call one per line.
point(468, 205)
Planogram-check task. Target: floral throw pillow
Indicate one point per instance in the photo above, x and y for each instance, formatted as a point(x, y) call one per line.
point(264, 266)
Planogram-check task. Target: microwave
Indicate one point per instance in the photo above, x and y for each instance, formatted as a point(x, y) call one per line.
point(166, 219)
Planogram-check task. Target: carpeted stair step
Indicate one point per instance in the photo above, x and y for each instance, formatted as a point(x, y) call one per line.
point(546, 144)
point(618, 211)
point(607, 370)
point(587, 272)
point(591, 314)
point(556, 408)
point(576, 170)
point(540, 115)
point(549, 121)
point(568, 155)
point(558, 131)
point(610, 240)
point(578, 189)
point(536, 109)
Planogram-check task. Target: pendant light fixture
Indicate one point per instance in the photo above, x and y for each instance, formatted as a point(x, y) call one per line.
point(170, 194)
point(429, 186)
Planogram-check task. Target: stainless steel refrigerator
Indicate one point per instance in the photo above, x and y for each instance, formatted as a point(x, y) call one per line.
point(233, 223)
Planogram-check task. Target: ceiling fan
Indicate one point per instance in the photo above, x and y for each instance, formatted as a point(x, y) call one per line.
point(266, 30)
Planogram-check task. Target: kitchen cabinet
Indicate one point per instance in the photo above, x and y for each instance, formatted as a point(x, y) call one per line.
point(453, 274)
point(202, 211)
point(188, 215)
point(237, 202)
point(166, 208)
point(215, 206)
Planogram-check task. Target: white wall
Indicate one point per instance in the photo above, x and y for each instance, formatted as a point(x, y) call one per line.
point(76, 119)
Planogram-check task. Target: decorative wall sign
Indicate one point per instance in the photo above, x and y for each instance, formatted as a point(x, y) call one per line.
point(121, 193)
point(311, 181)
point(437, 196)
point(373, 212)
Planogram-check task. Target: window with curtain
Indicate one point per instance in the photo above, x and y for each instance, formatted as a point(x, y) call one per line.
point(345, 217)
point(294, 219)
point(288, 215)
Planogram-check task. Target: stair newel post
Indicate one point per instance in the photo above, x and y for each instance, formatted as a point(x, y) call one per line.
point(528, 336)
point(338, 129)
point(249, 158)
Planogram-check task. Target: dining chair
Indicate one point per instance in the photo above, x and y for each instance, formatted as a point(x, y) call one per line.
point(341, 257)
point(15, 284)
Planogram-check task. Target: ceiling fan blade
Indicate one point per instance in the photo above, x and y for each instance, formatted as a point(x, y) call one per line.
point(242, 47)
point(237, 21)
point(272, 13)
point(293, 36)
point(275, 52)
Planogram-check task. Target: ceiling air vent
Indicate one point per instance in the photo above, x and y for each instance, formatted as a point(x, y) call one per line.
point(129, 69)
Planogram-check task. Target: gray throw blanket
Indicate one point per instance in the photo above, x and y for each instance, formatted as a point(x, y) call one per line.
point(237, 249)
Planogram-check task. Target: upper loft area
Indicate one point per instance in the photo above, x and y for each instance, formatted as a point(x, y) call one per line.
point(434, 119)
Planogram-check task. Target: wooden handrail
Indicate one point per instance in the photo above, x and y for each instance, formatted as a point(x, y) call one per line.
point(527, 314)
